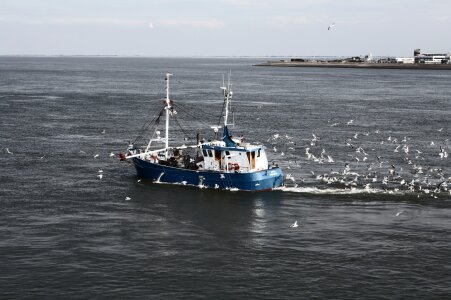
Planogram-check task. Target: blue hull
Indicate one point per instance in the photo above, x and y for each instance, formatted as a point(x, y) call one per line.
point(256, 181)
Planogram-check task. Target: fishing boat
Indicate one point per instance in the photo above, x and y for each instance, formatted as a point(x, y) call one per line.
point(224, 163)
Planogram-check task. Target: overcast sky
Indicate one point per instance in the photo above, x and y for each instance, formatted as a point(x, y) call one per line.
point(224, 27)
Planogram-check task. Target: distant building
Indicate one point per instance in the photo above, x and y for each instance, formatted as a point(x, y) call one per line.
point(368, 58)
point(433, 58)
point(404, 60)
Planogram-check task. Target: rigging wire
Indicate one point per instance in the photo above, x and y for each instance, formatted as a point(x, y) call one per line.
point(155, 120)
point(181, 128)
point(146, 126)
point(178, 106)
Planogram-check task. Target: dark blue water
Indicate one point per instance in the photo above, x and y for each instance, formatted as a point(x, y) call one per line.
point(374, 222)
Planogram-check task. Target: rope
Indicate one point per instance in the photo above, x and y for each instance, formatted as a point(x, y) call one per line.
point(181, 128)
point(154, 121)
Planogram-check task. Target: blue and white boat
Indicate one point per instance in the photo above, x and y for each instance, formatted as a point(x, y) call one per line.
point(227, 163)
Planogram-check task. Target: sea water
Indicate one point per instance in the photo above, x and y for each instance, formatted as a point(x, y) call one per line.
point(363, 232)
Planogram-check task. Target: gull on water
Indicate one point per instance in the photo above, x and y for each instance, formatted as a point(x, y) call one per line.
point(398, 213)
point(111, 154)
point(294, 225)
point(9, 152)
point(443, 153)
point(350, 122)
point(128, 198)
point(100, 176)
point(95, 156)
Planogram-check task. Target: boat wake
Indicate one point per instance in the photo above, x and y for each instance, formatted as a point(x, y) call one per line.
point(363, 191)
point(338, 191)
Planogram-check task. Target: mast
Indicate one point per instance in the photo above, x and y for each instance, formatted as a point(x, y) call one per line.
point(227, 98)
point(167, 108)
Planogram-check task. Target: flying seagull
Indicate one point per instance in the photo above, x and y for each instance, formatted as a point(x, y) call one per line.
point(331, 26)
point(294, 225)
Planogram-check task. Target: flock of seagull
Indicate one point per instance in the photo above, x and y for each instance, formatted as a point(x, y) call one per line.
point(362, 168)
point(404, 170)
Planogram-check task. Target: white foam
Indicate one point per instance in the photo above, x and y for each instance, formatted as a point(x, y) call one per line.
point(337, 191)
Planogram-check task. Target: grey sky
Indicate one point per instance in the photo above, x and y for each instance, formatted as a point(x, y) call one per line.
point(224, 27)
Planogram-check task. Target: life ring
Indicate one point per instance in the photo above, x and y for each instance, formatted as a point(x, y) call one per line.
point(234, 166)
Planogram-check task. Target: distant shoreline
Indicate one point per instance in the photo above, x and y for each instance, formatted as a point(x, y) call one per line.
point(356, 65)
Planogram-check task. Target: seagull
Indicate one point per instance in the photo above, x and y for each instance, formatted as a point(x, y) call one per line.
point(103, 131)
point(100, 171)
point(7, 150)
point(294, 225)
point(440, 130)
point(443, 153)
point(335, 124)
point(42, 157)
point(100, 176)
point(331, 26)
point(139, 180)
point(95, 156)
point(350, 122)
point(111, 154)
point(290, 177)
point(128, 198)
point(398, 213)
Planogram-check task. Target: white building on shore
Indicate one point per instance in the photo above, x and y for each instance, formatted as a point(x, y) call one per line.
point(431, 58)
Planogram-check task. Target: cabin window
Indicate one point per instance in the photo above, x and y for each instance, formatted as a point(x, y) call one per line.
point(258, 153)
point(210, 154)
point(204, 152)
point(227, 153)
